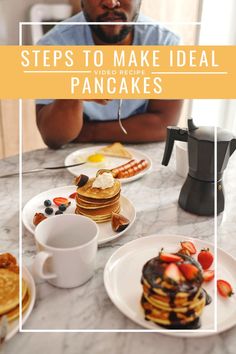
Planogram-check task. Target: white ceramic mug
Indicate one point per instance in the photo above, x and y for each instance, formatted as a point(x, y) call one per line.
point(67, 247)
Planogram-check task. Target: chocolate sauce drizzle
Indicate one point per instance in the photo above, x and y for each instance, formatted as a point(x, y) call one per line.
point(208, 297)
point(153, 270)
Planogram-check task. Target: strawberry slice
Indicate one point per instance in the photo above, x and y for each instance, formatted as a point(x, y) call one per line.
point(224, 288)
point(172, 272)
point(208, 275)
point(60, 200)
point(169, 257)
point(205, 258)
point(72, 196)
point(189, 271)
point(188, 246)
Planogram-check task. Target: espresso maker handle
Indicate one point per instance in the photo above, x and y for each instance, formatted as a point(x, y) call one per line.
point(173, 133)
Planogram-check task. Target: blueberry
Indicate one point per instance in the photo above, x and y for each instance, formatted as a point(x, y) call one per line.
point(62, 207)
point(58, 212)
point(49, 211)
point(47, 203)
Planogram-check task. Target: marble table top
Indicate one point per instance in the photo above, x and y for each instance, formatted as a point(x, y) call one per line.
point(88, 307)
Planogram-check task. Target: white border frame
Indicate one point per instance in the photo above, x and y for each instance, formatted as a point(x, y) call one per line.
point(165, 331)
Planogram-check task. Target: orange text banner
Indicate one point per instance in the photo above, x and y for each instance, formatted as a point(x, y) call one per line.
point(130, 72)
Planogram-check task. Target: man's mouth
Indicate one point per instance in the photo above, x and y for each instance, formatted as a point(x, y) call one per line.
point(112, 17)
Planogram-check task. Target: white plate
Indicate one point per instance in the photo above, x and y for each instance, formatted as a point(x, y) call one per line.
point(106, 234)
point(109, 163)
point(122, 276)
point(14, 325)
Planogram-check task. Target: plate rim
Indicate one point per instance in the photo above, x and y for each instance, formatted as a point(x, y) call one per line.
point(159, 331)
point(124, 180)
point(32, 286)
point(111, 238)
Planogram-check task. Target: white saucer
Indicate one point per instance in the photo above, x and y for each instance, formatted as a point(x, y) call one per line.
point(122, 277)
point(110, 162)
point(106, 234)
point(13, 326)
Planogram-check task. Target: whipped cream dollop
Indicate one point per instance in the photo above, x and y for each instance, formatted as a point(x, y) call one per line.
point(103, 181)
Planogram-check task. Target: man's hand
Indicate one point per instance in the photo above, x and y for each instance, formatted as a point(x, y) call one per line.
point(61, 121)
point(146, 127)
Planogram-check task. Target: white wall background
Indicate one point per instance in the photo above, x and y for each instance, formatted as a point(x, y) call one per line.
point(218, 28)
point(178, 16)
point(11, 13)
point(14, 11)
point(218, 22)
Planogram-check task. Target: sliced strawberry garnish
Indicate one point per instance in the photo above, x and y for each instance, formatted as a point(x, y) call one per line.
point(189, 271)
point(73, 195)
point(172, 272)
point(188, 246)
point(224, 288)
point(60, 200)
point(205, 258)
point(208, 275)
point(169, 257)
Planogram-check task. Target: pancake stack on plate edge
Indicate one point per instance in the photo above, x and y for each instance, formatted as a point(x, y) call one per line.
point(96, 203)
point(9, 288)
point(172, 294)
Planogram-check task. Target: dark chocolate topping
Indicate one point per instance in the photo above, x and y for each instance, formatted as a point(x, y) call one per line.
point(208, 297)
point(195, 324)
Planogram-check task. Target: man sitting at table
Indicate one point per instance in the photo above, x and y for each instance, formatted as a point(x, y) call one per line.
point(64, 121)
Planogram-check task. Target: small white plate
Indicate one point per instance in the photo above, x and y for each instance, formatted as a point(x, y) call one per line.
point(122, 275)
point(13, 326)
point(110, 162)
point(106, 234)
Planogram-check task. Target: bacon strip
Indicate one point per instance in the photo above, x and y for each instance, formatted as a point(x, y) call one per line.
point(130, 169)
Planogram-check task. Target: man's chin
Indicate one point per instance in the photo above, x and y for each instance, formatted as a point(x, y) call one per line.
point(111, 31)
point(112, 34)
point(110, 39)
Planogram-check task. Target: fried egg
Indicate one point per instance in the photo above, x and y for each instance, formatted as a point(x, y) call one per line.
point(96, 158)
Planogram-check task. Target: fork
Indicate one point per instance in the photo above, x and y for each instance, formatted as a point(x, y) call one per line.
point(119, 117)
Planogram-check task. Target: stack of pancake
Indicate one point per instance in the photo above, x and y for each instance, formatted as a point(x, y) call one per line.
point(167, 303)
point(9, 288)
point(96, 203)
